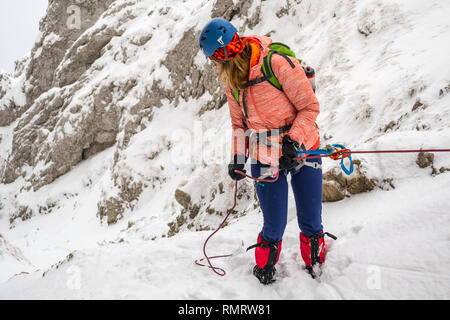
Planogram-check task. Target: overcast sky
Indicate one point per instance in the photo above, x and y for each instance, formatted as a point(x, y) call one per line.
point(19, 27)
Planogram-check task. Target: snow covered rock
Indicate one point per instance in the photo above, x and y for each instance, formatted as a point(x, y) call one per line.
point(11, 260)
point(338, 185)
point(62, 25)
point(12, 96)
point(6, 113)
point(96, 82)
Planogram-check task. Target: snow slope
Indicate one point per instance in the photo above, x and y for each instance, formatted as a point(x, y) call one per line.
point(392, 245)
point(382, 77)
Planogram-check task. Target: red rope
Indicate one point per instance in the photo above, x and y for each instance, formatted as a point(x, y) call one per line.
point(401, 151)
point(219, 271)
point(349, 152)
point(275, 176)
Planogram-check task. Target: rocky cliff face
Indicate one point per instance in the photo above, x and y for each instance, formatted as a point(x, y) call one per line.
point(75, 105)
point(6, 115)
point(48, 94)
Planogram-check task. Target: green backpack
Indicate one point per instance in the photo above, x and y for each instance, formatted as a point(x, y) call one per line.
point(284, 51)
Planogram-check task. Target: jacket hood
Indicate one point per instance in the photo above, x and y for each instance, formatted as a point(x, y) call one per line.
point(264, 43)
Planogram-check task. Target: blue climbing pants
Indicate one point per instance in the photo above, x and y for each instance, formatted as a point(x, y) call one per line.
point(273, 197)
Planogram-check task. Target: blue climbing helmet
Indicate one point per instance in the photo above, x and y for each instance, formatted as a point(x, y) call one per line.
point(216, 34)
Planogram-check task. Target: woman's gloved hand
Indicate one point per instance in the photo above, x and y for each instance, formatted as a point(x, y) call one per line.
point(289, 150)
point(237, 163)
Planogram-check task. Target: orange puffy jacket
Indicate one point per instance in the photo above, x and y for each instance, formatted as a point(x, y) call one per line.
point(262, 107)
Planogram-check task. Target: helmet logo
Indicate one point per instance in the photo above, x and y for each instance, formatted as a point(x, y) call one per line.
point(220, 40)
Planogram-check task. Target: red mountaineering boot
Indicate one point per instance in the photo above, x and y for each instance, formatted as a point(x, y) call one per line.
point(314, 250)
point(266, 256)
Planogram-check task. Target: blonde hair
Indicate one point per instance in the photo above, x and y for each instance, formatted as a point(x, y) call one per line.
point(235, 72)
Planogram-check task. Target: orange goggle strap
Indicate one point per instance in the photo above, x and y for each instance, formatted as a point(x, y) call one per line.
point(233, 49)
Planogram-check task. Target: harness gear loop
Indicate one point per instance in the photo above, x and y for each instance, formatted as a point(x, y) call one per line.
point(303, 162)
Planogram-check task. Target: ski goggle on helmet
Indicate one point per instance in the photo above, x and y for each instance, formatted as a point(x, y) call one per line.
point(220, 41)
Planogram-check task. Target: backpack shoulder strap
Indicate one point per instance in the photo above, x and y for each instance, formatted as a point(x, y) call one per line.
point(236, 95)
point(267, 68)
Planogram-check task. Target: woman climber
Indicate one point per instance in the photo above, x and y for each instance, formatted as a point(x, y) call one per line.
point(270, 125)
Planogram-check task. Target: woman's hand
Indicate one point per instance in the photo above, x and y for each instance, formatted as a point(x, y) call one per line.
point(289, 152)
point(237, 163)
